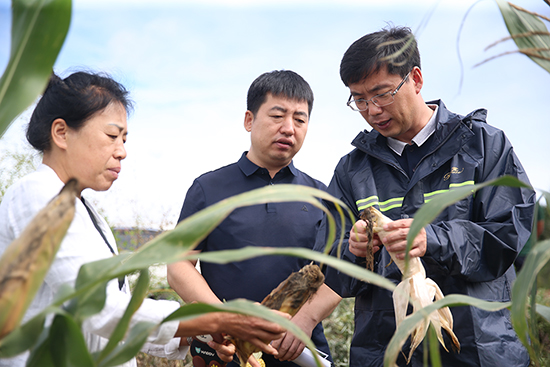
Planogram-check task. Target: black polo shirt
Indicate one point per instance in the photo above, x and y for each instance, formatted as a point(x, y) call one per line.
point(292, 224)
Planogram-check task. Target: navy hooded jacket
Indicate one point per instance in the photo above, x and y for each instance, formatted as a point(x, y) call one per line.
point(471, 245)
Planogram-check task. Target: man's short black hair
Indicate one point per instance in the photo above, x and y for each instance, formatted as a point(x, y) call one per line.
point(280, 83)
point(394, 48)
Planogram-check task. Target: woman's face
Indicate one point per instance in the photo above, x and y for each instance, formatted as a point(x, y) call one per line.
point(95, 151)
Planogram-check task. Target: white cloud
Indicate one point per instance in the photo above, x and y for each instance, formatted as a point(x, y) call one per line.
point(188, 68)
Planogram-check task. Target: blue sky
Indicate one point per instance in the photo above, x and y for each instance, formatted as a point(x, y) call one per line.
point(188, 65)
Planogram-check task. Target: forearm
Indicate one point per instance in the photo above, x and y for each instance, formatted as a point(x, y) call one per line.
point(189, 284)
point(255, 330)
point(210, 323)
point(319, 307)
point(312, 313)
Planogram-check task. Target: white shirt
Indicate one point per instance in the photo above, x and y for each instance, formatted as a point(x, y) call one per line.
point(82, 244)
point(397, 145)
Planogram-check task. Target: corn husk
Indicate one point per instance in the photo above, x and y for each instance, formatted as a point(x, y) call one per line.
point(414, 285)
point(289, 296)
point(27, 259)
point(258, 357)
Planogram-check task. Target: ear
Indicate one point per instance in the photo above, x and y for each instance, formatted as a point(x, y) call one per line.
point(59, 133)
point(248, 119)
point(417, 78)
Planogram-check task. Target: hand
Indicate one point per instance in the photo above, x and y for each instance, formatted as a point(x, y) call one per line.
point(256, 331)
point(253, 361)
point(319, 307)
point(358, 240)
point(225, 350)
point(288, 347)
point(395, 240)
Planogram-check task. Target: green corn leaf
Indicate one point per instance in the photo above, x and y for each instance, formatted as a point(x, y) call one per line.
point(358, 272)
point(242, 306)
point(40, 353)
point(435, 355)
point(535, 261)
point(139, 293)
point(39, 28)
point(544, 311)
point(132, 344)
point(66, 343)
point(61, 344)
point(23, 337)
point(175, 245)
point(194, 229)
point(91, 301)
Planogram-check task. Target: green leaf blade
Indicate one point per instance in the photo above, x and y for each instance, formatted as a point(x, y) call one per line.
point(528, 32)
point(139, 294)
point(39, 28)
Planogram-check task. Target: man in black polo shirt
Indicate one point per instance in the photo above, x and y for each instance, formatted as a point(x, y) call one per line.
point(279, 106)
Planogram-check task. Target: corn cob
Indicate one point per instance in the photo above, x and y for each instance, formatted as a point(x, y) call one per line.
point(420, 289)
point(27, 259)
point(258, 357)
point(369, 258)
point(289, 296)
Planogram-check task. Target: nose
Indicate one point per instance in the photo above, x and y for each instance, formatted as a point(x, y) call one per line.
point(287, 126)
point(373, 110)
point(120, 151)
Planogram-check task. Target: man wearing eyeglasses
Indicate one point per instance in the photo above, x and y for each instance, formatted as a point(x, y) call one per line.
point(415, 151)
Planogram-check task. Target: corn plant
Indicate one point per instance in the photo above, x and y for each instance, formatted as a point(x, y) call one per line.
point(38, 32)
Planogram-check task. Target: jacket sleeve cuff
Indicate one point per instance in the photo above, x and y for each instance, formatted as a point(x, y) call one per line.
point(352, 258)
point(433, 248)
point(171, 350)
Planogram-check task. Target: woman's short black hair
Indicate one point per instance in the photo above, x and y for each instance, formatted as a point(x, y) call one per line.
point(394, 48)
point(280, 83)
point(74, 99)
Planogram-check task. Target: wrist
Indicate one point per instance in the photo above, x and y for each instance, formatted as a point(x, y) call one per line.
point(305, 321)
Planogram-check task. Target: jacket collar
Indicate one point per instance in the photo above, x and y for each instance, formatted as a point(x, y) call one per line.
point(373, 143)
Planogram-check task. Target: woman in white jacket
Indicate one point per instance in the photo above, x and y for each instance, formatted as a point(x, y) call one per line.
point(80, 127)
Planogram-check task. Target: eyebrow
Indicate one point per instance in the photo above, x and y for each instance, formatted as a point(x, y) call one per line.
point(301, 113)
point(373, 90)
point(120, 128)
point(278, 108)
point(284, 110)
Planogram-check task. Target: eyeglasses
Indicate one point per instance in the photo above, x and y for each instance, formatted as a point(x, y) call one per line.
point(380, 100)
